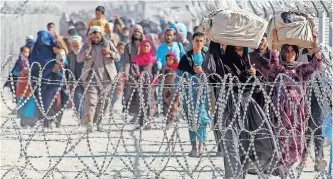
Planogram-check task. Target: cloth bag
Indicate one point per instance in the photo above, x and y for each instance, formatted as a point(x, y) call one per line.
point(292, 28)
point(234, 27)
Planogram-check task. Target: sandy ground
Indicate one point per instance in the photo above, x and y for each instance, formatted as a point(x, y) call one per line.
point(120, 152)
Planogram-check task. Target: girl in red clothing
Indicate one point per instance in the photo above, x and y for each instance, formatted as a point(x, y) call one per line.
point(169, 71)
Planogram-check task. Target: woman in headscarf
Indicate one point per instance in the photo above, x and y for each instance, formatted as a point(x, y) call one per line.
point(182, 35)
point(142, 74)
point(290, 96)
point(82, 30)
point(238, 114)
point(42, 54)
point(118, 25)
point(152, 37)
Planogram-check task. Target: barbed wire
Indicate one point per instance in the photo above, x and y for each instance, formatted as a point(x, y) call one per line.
point(123, 152)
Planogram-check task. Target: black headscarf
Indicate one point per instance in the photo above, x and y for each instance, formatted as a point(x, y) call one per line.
point(284, 50)
point(235, 64)
point(289, 65)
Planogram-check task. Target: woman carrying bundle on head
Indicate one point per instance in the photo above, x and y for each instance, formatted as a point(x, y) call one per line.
point(239, 117)
point(290, 119)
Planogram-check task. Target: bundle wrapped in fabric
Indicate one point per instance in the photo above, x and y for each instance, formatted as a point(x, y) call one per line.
point(234, 27)
point(294, 28)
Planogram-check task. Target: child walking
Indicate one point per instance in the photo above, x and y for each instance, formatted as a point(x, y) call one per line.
point(169, 71)
point(25, 107)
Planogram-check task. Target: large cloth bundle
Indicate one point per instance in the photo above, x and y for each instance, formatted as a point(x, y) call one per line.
point(292, 28)
point(234, 27)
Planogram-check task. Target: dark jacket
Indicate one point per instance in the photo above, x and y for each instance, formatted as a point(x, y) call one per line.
point(261, 62)
point(186, 63)
point(74, 66)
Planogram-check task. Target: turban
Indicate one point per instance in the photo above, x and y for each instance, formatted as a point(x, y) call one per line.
point(95, 29)
point(137, 27)
point(75, 38)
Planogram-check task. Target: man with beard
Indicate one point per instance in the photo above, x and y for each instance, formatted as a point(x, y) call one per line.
point(169, 46)
point(124, 36)
point(76, 68)
point(131, 50)
point(102, 71)
point(261, 57)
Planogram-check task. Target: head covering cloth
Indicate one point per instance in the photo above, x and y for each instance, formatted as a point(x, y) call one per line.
point(144, 59)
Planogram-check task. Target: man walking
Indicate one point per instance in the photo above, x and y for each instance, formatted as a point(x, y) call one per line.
point(131, 50)
point(76, 68)
point(98, 73)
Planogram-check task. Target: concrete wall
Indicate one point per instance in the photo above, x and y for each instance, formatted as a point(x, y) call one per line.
point(14, 29)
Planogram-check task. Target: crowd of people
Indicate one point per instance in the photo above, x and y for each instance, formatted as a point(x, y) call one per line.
point(94, 54)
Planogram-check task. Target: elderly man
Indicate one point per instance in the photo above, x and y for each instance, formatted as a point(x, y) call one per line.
point(76, 68)
point(98, 73)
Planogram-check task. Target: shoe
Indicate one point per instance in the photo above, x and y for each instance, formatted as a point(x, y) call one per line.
point(320, 165)
point(57, 124)
point(89, 128)
point(134, 120)
point(83, 122)
point(139, 127)
point(100, 129)
point(193, 153)
point(168, 125)
point(46, 123)
point(201, 148)
point(14, 112)
point(252, 172)
point(147, 127)
point(219, 154)
point(52, 125)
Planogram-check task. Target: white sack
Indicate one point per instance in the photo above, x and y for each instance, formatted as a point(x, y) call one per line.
point(299, 32)
point(234, 27)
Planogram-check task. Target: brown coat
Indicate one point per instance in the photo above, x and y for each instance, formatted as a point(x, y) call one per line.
point(109, 64)
point(168, 79)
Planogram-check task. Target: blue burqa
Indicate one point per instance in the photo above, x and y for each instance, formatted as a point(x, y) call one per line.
point(42, 54)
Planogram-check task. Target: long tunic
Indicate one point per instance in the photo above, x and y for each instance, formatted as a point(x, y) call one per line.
point(290, 122)
point(143, 96)
point(235, 120)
